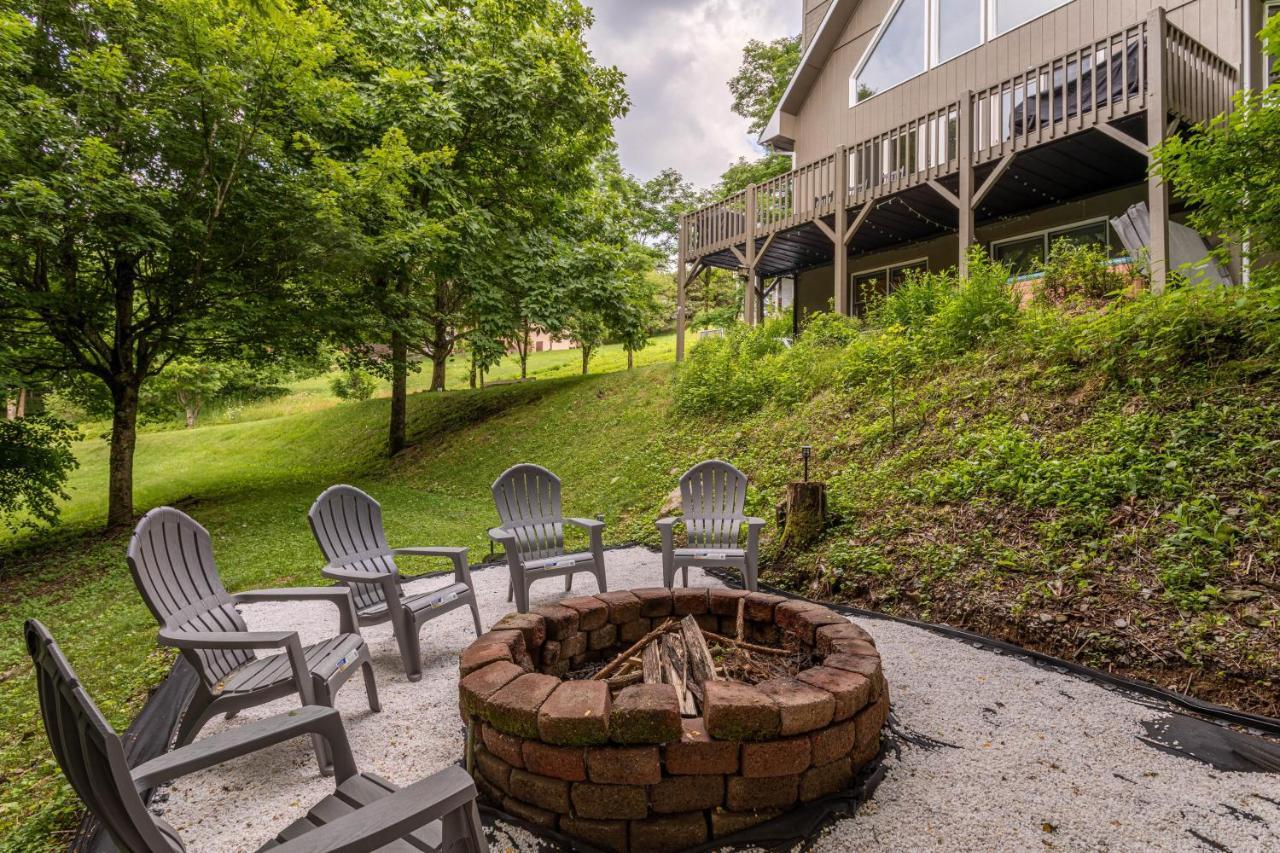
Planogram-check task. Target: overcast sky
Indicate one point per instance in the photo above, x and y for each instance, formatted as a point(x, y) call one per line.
point(678, 56)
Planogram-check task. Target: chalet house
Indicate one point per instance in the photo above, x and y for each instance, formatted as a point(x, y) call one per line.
point(921, 127)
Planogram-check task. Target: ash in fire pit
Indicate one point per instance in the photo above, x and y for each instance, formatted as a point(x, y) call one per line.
point(648, 719)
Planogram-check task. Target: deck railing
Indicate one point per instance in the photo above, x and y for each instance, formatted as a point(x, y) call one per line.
point(1096, 83)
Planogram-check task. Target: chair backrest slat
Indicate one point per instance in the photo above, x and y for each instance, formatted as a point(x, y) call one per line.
point(528, 501)
point(714, 494)
point(89, 751)
point(171, 559)
point(347, 525)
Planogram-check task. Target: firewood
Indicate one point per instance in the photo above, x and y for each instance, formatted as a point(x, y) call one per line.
point(639, 644)
point(740, 626)
point(702, 667)
point(752, 647)
point(621, 681)
point(672, 654)
point(652, 664)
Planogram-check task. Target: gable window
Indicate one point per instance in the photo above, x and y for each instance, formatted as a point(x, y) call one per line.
point(898, 53)
point(959, 27)
point(919, 34)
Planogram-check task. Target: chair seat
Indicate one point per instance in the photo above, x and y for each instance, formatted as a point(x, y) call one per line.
point(564, 561)
point(710, 553)
point(356, 793)
point(324, 660)
point(419, 601)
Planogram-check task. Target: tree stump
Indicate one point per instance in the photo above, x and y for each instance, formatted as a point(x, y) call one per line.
point(806, 512)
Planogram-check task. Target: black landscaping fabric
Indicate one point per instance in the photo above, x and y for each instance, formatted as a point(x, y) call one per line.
point(1204, 737)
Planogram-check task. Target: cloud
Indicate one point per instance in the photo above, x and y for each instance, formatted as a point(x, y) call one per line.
point(678, 56)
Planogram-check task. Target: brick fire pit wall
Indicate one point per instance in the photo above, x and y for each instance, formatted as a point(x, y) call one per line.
point(629, 773)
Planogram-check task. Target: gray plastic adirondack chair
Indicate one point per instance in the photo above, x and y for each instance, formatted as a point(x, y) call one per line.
point(713, 494)
point(171, 559)
point(532, 533)
point(365, 812)
point(347, 525)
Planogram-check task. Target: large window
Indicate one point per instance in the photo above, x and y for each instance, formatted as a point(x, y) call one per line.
point(1007, 14)
point(898, 53)
point(1272, 64)
point(867, 288)
point(959, 27)
point(1026, 255)
point(918, 34)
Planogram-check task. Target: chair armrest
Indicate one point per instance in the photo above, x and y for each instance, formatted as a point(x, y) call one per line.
point(225, 639)
point(668, 523)
point(752, 521)
point(595, 528)
point(250, 737)
point(461, 566)
point(340, 597)
point(338, 573)
point(389, 818)
point(586, 523)
point(501, 534)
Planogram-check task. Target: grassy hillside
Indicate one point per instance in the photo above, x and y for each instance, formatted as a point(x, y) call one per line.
point(1098, 481)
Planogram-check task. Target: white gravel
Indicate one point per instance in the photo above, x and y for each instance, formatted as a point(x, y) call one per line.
point(1036, 760)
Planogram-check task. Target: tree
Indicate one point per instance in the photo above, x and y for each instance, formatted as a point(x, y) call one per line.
point(191, 383)
point(745, 172)
point(655, 207)
point(153, 204)
point(35, 459)
point(762, 79)
point(1229, 171)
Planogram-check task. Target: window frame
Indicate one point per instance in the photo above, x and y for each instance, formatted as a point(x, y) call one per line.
point(882, 271)
point(930, 46)
point(1270, 64)
point(1044, 233)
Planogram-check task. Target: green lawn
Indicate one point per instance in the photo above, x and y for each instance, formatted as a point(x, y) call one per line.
point(251, 482)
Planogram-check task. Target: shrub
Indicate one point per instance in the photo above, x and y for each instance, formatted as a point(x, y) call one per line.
point(977, 309)
point(1080, 270)
point(35, 458)
point(353, 385)
point(914, 302)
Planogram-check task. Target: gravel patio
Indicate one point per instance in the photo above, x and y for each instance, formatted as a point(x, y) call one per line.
point(990, 752)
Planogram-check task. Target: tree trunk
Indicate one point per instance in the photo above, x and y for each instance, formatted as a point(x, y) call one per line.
point(441, 349)
point(631, 360)
point(10, 406)
point(22, 403)
point(806, 510)
point(124, 438)
point(193, 412)
point(397, 437)
point(474, 371)
point(586, 359)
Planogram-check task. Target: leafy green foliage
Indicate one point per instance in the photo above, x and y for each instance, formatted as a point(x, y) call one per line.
point(745, 172)
point(353, 384)
point(35, 459)
point(1080, 270)
point(766, 70)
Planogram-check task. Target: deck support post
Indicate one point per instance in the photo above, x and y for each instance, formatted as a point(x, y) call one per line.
point(682, 280)
point(964, 209)
point(752, 307)
point(1157, 116)
point(841, 242)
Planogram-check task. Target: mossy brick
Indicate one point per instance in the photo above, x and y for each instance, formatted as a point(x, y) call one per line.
point(488, 790)
point(787, 617)
point(575, 714)
point(868, 667)
point(698, 754)
point(645, 714)
point(602, 638)
point(531, 625)
point(851, 691)
point(689, 601)
point(630, 632)
point(513, 640)
point(760, 606)
point(556, 762)
point(724, 823)
point(479, 655)
point(724, 602)
point(573, 645)
point(807, 622)
point(803, 707)
point(541, 791)
point(623, 606)
point(844, 630)
point(818, 782)
point(676, 794)
point(560, 621)
point(592, 612)
point(606, 802)
point(669, 834)
point(475, 689)
point(610, 835)
point(494, 769)
point(550, 652)
point(530, 813)
point(743, 794)
point(514, 708)
point(655, 601)
point(507, 747)
point(764, 633)
point(868, 725)
point(833, 742)
point(708, 622)
point(785, 757)
point(737, 711)
point(624, 765)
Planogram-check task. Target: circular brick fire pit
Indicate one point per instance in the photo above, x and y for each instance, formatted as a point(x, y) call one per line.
point(625, 771)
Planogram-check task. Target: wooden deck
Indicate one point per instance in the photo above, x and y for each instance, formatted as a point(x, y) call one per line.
point(961, 150)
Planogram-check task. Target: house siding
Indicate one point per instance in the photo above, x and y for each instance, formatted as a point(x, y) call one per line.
point(813, 11)
point(825, 121)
